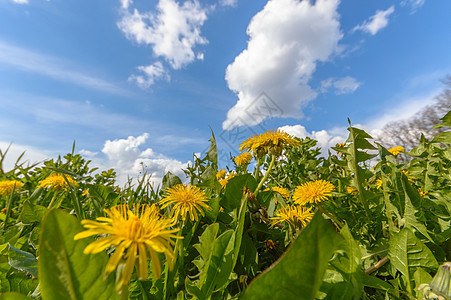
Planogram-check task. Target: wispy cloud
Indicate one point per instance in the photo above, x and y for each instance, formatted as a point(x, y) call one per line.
point(53, 67)
point(376, 22)
point(345, 85)
point(414, 4)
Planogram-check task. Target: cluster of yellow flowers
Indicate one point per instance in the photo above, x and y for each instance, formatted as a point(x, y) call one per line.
point(271, 141)
point(7, 186)
point(57, 182)
point(243, 159)
point(297, 215)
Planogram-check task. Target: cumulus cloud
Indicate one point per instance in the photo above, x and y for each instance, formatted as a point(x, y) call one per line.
point(345, 85)
point(286, 40)
point(325, 139)
point(129, 160)
point(376, 22)
point(173, 30)
point(21, 1)
point(151, 73)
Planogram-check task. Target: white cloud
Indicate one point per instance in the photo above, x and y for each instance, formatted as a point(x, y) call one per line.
point(286, 39)
point(126, 3)
point(173, 31)
point(88, 153)
point(376, 22)
point(52, 67)
point(21, 1)
point(152, 73)
point(345, 85)
point(414, 4)
point(325, 139)
point(32, 155)
point(129, 161)
point(232, 3)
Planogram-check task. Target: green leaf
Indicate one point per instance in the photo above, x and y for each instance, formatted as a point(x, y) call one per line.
point(411, 196)
point(421, 276)
point(13, 296)
point(406, 253)
point(234, 190)
point(299, 272)
point(64, 271)
point(446, 121)
point(169, 180)
point(212, 153)
point(443, 137)
point(219, 265)
point(32, 212)
point(22, 261)
point(205, 245)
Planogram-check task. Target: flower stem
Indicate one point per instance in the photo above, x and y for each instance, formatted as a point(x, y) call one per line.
point(271, 165)
point(337, 222)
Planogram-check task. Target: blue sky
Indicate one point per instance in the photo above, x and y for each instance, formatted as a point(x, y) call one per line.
point(140, 83)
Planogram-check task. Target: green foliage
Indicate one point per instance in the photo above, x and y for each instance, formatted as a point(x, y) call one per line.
point(64, 271)
point(381, 234)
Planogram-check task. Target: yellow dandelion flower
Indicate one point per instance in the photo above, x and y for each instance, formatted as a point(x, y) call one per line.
point(313, 192)
point(221, 174)
point(295, 216)
point(351, 190)
point(282, 191)
point(225, 180)
point(57, 182)
point(85, 192)
point(396, 150)
point(411, 179)
point(187, 200)
point(134, 233)
point(270, 141)
point(270, 245)
point(7, 186)
point(422, 194)
point(340, 145)
point(243, 159)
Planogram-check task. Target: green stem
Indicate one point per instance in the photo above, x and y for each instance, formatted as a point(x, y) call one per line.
point(53, 200)
point(8, 209)
point(271, 165)
point(388, 211)
point(257, 168)
point(337, 222)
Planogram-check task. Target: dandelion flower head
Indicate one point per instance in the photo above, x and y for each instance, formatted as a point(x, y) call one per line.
point(188, 200)
point(221, 174)
point(396, 150)
point(225, 180)
point(243, 159)
point(313, 192)
point(7, 186)
point(281, 191)
point(270, 141)
point(135, 233)
point(57, 182)
point(295, 216)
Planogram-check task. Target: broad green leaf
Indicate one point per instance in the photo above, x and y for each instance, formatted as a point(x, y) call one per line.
point(407, 252)
point(21, 283)
point(64, 271)
point(375, 282)
point(13, 296)
point(194, 290)
point(205, 245)
point(219, 265)
point(299, 272)
point(443, 137)
point(411, 195)
point(32, 212)
point(169, 180)
point(421, 276)
point(22, 261)
point(348, 264)
point(234, 190)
